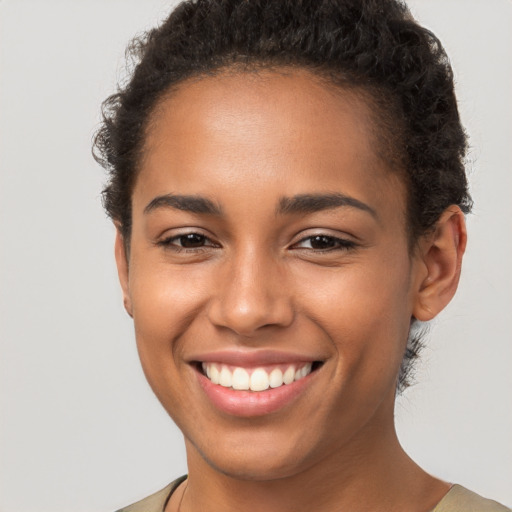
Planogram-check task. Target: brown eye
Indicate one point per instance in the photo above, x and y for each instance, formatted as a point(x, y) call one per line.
point(324, 243)
point(188, 241)
point(191, 240)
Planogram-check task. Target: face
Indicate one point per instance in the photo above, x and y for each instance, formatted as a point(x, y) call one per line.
point(269, 251)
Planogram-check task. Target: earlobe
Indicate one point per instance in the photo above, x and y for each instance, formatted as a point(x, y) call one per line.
point(123, 269)
point(441, 257)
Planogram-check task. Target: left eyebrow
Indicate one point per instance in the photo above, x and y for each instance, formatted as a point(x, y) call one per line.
point(187, 203)
point(311, 203)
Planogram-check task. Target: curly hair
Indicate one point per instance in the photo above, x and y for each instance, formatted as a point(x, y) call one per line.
point(373, 46)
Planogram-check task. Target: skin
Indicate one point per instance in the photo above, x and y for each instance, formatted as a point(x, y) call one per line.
point(244, 141)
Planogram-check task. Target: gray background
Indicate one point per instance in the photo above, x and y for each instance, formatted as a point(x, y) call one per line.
point(79, 428)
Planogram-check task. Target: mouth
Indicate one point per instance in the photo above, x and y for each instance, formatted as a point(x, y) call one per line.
point(251, 390)
point(256, 379)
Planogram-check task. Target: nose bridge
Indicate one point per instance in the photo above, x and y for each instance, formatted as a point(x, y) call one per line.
point(252, 293)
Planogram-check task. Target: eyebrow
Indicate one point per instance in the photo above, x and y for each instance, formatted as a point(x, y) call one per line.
point(311, 203)
point(299, 204)
point(192, 204)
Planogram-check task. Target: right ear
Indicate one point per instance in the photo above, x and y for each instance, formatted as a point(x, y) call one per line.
point(123, 269)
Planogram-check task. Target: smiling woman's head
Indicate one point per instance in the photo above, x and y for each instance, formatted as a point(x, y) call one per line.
point(288, 179)
point(372, 46)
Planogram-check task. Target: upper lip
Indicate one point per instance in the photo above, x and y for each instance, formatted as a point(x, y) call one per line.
point(252, 357)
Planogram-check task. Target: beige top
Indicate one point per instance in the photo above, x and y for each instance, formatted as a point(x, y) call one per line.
point(458, 499)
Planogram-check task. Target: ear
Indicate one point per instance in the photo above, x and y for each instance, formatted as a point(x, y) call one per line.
point(123, 269)
point(441, 258)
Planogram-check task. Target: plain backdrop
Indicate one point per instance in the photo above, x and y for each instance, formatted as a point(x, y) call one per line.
point(79, 427)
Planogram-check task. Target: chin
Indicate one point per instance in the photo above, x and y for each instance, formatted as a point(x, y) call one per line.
point(244, 467)
point(259, 460)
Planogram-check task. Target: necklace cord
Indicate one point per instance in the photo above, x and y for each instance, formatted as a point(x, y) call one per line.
point(182, 495)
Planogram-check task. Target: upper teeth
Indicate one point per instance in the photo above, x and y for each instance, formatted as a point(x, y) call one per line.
point(257, 379)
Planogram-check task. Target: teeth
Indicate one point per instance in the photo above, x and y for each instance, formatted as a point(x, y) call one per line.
point(275, 378)
point(241, 379)
point(259, 380)
point(226, 378)
point(289, 375)
point(306, 370)
point(214, 374)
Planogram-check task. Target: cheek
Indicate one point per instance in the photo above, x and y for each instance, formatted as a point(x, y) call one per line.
point(165, 303)
point(164, 296)
point(365, 310)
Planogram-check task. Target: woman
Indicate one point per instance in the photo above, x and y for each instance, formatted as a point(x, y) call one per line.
point(288, 187)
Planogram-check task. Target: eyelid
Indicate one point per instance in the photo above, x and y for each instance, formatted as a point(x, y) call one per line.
point(343, 244)
point(167, 239)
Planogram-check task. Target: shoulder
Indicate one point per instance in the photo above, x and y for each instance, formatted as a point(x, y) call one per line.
point(460, 499)
point(157, 501)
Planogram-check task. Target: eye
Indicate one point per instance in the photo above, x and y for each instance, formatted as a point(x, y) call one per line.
point(187, 241)
point(190, 240)
point(324, 243)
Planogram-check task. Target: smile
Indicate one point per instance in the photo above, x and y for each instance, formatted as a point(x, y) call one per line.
point(255, 379)
point(243, 387)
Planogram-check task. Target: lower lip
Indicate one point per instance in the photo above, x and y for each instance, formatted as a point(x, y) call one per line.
point(253, 403)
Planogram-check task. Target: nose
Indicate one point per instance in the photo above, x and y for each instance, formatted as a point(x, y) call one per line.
point(252, 294)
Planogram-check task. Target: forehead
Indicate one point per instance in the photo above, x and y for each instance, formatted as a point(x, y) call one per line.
point(263, 110)
point(264, 130)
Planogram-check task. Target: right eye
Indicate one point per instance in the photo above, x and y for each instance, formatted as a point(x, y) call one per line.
point(188, 241)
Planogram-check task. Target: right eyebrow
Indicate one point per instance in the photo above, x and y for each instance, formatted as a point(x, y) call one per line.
point(192, 204)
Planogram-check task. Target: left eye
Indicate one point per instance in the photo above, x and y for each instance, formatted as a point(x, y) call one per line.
point(324, 243)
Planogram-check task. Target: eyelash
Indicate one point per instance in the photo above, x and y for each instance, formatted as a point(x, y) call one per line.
point(340, 244)
point(169, 243)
